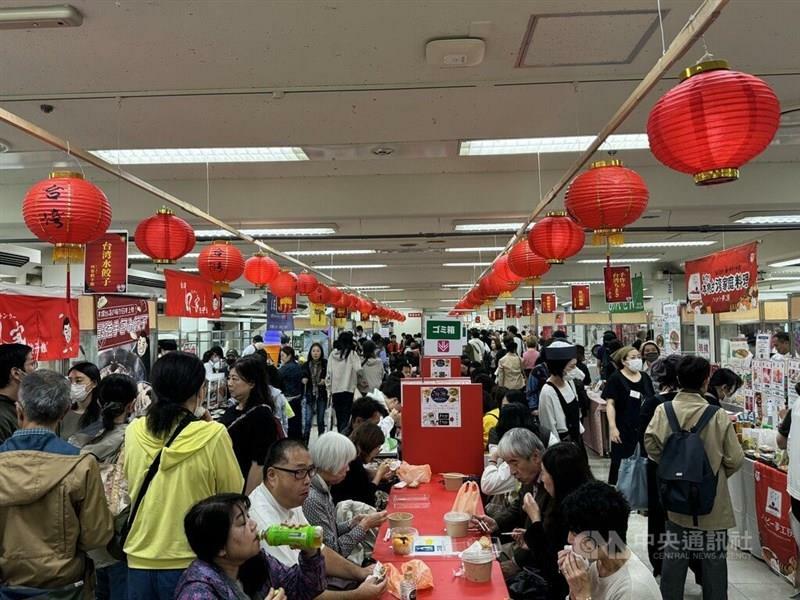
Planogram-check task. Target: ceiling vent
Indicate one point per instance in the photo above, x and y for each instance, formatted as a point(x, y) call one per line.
point(455, 53)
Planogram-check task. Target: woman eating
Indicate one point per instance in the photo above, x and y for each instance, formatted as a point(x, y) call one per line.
point(359, 484)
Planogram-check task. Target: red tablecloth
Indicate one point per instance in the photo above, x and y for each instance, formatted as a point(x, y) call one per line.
point(430, 521)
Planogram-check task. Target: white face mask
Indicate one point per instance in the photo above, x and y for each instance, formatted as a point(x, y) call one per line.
point(200, 411)
point(77, 392)
point(635, 364)
point(575, 374)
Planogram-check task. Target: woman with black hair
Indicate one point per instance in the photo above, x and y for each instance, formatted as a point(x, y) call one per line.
point(512, 414)
point(251, 420)
point(723, 384)
point(342, 377)
point(292, 376)
point(230, 564)
point(370, 376)
point(509, 367)
point(85, 411)
point(359, 484)
point(214, 361)
point(559, 406)
point(191, 458)
point(316, 397)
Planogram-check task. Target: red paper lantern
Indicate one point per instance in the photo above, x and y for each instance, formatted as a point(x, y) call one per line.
point(67, 211)
point(284, 285)
point(306, 283)
point(260, 270)
point(524, 262)
point(221, 262)
point(556, 237)
point(320, 294)
point(489, 287)
point(352, 301)
point(501, 283)
point(503, 270)
point(364, 306)
point(164, 237)
point(337, 296)
point(607, 198)
point(713, 122)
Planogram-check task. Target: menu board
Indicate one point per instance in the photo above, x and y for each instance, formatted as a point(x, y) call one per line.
point(440, 368)
point(441, 406)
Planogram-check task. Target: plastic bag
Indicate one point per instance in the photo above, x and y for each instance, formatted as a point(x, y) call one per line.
point(411, 473)
point(632, 480)
point(467, 498)
point(422, 575)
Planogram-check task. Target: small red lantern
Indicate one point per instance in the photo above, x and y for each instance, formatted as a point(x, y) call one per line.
point(504, 285)
point(284, 287)
point(260, 270)
point(364, 306)
point(320, 294)
point(306, 283)
point(524, 262)
point(489, 288)
point(503, 270)
point(713, 122)
point(352, 301)
point(336, 296)
point(607, 198)
point(164, 237)
point(556, 237)
point(67, 211)
point(221, 262)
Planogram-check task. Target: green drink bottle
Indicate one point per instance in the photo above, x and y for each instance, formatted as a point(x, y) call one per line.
point(308, 536)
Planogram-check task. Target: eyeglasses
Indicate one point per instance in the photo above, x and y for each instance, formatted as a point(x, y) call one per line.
point(299, 474)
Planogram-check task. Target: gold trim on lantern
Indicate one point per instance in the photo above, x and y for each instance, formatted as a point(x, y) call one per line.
point(614, 237)
point(505, 295)
point(68, 253)
point(557, 213)
point(164, 211)
point(716, 176)
point(555, 261)
point(70, 174)
point(704, 67)
point(599, 164)
point(532, 280)
point(221, 287)
point(226, 242)
point(163, 261)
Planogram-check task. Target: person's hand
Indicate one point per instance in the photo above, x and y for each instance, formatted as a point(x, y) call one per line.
point(274, 594)
point(356, 520)
point(380, 474)
point(614, 435)
point(531, 508)
point(493, 453)
point(782, 413)
point(370, 589)
point(575, 570)
point(207, 416)
point(490, 523)
point(518, 535)
point(373, 520)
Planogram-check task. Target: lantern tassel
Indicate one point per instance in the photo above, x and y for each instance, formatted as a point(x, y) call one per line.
point(608, 237)
point(68, 253)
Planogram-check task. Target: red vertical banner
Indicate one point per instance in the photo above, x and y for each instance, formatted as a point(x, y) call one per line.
point(773, 507)
point(105, 269)
point(191, 296)
point(48, 325)
point(527, 308)
point(498, 314)
point(341, 313)
point(618, 284)
point(581, 299)
point(511, 311)
point(549, 302)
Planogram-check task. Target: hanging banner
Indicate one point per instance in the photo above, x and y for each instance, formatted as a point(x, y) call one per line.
point(773, 506)
point(527, 308)
point(123, 336)
point(317, 318)
point(581, 298)
point(636, 304)
point(670, 338)
point(277, 320)
point(191, 296)
point(48, 325)
point(618, 284)
point(724, 281)
point(511, 311)
point(105, 269)
point(341, 313)
point(549, 302)
point(287, 304)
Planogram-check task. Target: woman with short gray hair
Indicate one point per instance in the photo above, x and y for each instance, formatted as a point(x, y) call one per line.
point(332, 454)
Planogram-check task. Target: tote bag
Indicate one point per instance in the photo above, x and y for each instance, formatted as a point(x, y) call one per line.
point(632, 482)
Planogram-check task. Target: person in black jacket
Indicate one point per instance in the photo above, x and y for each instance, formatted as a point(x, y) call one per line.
point(316, 396)
point(723, 384)
point(292, 376)
point(359, 484)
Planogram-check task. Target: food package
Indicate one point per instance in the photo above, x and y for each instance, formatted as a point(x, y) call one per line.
point(414, 474)
point(422, 575)
point(467, 498)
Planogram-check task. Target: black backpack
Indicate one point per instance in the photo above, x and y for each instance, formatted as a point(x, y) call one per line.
point(686, 483)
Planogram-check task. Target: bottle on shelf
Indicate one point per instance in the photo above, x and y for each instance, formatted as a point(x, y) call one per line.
point(308, 536)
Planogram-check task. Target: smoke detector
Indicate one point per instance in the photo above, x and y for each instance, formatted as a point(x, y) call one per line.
point(455, 53)
point(383, 151)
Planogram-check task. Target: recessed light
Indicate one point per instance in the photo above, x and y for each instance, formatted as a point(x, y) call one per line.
point(266, 232)
point(474, 227)
point(601, 261)
point(145, 257)
point(383, 151)
point(546, 145)
point(786, 263)
point(330, 252)
point(177, 156)
point(585, 282)
point(686, 244)
point(766, 218)
point(343, 267)
point(477, 249)
point(466, 264)
point(458, 286)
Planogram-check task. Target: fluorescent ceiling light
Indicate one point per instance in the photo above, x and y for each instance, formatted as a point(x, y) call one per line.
point(191, 270)
point(477, 249)
point(546, 145)
point(782, 278)
point(786, 263)
point(466, 264)
point(382, 290)
point(185, 156)
point(686, 244)
point(566, 304)
point(585, 282)
point(602, 261)
point(647, 297)
point(769, 220)
point(272, 232)
point(488, 226)
point(145, 257)
point(370, 287)
point(342, 267)
point(392, 301)
point(330, 252)
point(457, 286)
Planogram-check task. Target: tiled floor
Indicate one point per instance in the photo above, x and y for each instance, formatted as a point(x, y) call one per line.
point(748, 577)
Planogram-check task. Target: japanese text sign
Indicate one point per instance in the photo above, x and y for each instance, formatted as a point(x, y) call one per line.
point(527, 308)
point(442, 330)
point(48, 325)
point(618, 284)
point(511, 311)
point(121, 320)
point(191, 296)
point(105, 269)
point(773, 507)
point(581, 299)
point(549, 302)
point(636, 303)
point(724, 281)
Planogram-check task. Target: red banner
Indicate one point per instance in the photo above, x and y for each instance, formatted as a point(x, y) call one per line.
point(121, 320)
point(48, 325)
point(618, 284)
point(191, 296)
point(527, 308)
point(549, 302)
point(724, 281)
point(105, 270)
point(341, 313)
point(581, 298)
point(511, 311)
point(773, 507)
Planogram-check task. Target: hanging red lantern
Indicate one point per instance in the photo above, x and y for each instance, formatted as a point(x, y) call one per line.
point(336, 296)
point(501, 283)
point(352, 301)
point(489, 288)
point(524, 262)
point(607, 198)
point(556, 237)
point(364, 306)
point(320, 294)
point(260, 270)
point(306, 283)
point(164, 237)
point(713, 122)
point(221, 262)
point(284, 288)
point(503, 270)
point(67, 211)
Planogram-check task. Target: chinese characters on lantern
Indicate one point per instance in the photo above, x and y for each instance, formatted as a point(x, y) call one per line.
point(618, 284)
point(106, 264)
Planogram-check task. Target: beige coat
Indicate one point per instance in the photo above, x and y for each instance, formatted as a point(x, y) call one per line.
point(509, 372)
point(722, 448)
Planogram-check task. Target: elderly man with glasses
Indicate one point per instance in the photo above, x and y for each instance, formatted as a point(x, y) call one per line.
point(288, 472)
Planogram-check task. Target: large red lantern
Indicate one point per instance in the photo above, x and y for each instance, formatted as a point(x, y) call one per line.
point(607, 198)
point(284, 288)
point(221, 262)
point(336, 296)
point(556, 237)
point(524, 262)
point(164, 237)
point(713, 122)
point(503, 270)
point(306, 283)
point(260, 270)
point(352, 301)
point(489, 287)
point(67, 211)
point(364, 306)
point(501, 283)
point(320, 294)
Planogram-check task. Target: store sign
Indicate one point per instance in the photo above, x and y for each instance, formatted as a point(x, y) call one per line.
point(636, 304)
point(724, 281)
point(48, 325)
point(278, 320)
point(527, 308)
point(191, 296)
point(443, 337)
point(341, 313)
point(549, 303)
point(618, 284)
point(316, 316)
point(105, 269)
point(511, 311)
point(121, 320)
point(773, 507)
point(581, 298)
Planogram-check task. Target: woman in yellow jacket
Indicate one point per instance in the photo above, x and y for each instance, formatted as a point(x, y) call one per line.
point(199, 463)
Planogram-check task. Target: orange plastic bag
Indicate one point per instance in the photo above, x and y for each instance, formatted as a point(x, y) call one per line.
point(414, 473)
point(467, 498)
point(422, 575)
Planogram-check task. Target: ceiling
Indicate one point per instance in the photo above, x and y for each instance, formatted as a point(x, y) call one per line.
point(341, 78)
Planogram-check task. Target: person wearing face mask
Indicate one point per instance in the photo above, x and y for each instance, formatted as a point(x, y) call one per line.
point(192, 458)
point(16, 361)
point(723, 384)
point(650, 353)
point(85, 411)
point(559, 409)
point(624, 392)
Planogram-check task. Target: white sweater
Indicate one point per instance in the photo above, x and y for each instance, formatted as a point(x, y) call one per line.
point(342, 375)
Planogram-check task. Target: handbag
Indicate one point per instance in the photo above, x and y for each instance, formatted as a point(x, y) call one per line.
point(115, 486)
point(632, 481)
point(528, 584)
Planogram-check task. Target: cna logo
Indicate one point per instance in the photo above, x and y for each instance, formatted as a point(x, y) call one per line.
point(443, 346)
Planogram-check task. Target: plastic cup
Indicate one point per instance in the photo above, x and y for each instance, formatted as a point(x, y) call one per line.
point(456, 524)
point(403, 540)
point(400, 519)
point(453, 481)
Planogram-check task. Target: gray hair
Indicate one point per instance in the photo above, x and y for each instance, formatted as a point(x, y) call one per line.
point(519, 443)
point(332, 451)
point(44, 396)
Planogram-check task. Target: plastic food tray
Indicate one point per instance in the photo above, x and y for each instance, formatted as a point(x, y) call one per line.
point(416, 500)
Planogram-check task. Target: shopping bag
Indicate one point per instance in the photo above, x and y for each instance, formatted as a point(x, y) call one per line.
point(422, 575)
point(467, 498)
point(414, 473)
point(632, 481)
